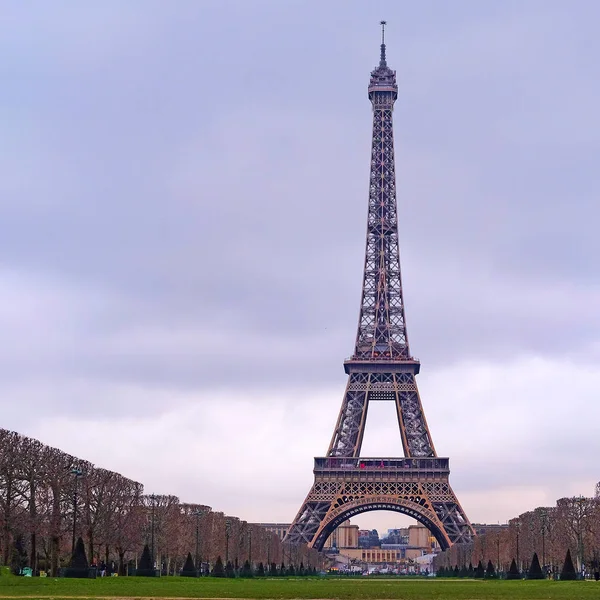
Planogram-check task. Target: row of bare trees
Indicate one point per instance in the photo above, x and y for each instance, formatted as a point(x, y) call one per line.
point(48, 498)
point(573, 524)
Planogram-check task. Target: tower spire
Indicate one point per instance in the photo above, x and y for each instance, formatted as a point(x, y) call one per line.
point(382, 61)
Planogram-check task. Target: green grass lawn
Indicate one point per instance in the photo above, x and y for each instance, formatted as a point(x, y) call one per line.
point(181, 587)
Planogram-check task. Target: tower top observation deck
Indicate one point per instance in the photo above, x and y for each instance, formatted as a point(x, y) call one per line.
point(383, 79)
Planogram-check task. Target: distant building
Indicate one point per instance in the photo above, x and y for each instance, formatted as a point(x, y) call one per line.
point(368, 538)
point(364, 546)
point(483, 528)
point(396, 536)
point(400, 548)
point(420, 537)
point(280, 529)
point(345, 536)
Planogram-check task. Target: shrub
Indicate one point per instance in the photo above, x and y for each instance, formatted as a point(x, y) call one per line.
point(479, 571)
point(78, 567)
point(513, 572)
point(568, 572)
point(246, 570)
point(535, 571)
point(189, 570)
point(490, 572)
point(218, 570)
point(229, 570)
point(146, 566)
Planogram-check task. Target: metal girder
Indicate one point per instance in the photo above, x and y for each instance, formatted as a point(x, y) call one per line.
point(364, 387)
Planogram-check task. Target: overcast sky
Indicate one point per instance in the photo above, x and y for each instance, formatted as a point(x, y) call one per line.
point(183, 193)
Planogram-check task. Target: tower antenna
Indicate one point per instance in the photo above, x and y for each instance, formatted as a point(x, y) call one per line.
point(382, 61)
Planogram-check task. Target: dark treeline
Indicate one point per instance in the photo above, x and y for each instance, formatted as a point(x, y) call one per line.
point(44, 492)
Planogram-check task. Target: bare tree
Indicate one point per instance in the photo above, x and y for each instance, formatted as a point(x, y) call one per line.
point(11, 489)
point(31, 472)
point(574, 524)
point(49, 497)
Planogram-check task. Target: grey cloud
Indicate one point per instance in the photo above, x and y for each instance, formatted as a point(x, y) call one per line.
point(201, 182)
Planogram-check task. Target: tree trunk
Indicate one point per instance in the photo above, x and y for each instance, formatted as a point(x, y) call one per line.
point(90, 544)
point(33, 553)
point(6, 544)
point(7, 524)
point(54, 555)
point(33, 524)
point(121, 563)
point(56, 522)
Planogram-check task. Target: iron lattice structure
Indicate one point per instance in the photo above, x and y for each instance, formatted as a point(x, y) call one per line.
point(381, 369)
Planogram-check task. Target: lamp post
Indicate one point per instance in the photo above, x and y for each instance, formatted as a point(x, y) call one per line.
point(532, 537)
point(250, 545)
point(498, 552)
point(153, 498)
point(544, 525)
point(227, 533)
point(580, 500)
point(77, 473)
point(197, 514)
point(269, 553)
point(518, 527)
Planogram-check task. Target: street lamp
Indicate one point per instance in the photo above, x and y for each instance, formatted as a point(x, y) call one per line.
point(498, 551)
point(227, 534)
point(197, 514)
point(544, 516)
point(532, 537)
point(518, 527)
point(77, 473)
point(250, 545)
point(483, 552)
point(580, 500)
point(153, 498)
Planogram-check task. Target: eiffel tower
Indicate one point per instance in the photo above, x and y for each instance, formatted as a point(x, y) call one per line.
point(381, 369)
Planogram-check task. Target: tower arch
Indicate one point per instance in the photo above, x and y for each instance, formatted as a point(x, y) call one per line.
point(424, 516)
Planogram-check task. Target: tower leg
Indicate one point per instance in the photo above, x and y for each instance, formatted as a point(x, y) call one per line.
point(309, 518)
point(348, 433)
